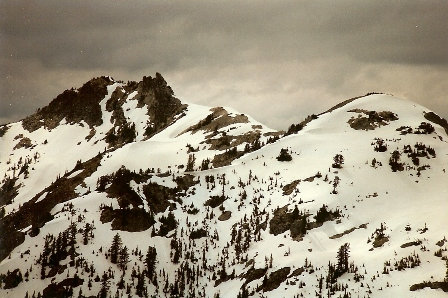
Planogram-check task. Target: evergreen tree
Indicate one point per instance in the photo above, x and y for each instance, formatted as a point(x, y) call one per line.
point(394, 161)
point(140, 288)
point(176, 247)
point(380, 146)
point(120, 284)
point(190, 163)
point(331, 276)
point(342, 256)
point(284, 155)
point(150, 262)
point(115, 248)
point(338, 161)
point(244, 293)
point(72, 231)
point(86, 233)
point(205, 164)
point(104, 286)
point(446, 276)
point(335, 184)
point(123, 259)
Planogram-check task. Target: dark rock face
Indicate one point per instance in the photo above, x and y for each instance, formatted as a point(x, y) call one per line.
point(10, 240)
point(225, 216)
point(254, 274)
point(3, 130)
point(84, 105)
point(284, 221)
point(443, 285)
point(158, 196)
point(63, 288)
point(290, 187)
point(370, 120)
point(275, 279)
point(120, 187)
point(197, 234)
point(130, 220)
point(23, 143)
point(74, 105)
point(434, 118)
point(160, 101)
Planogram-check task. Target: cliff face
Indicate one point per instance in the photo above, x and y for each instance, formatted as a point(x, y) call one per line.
point(160, 101)
point(73, 105)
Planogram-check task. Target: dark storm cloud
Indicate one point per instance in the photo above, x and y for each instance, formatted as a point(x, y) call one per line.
point(306, 55)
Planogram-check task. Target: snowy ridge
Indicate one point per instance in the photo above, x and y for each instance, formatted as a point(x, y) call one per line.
point(229, 206)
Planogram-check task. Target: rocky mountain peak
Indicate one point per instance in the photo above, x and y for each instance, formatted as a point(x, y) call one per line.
point(73, 105)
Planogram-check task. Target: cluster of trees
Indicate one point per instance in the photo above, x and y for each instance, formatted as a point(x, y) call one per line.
point(248, 229)
point(150, 262)
point(284, 155)
point(380, 145)
point(295, 128)
point(272, 139)
point(379, 236)
point(338, 161)
point(411, 261)
point(395, 163)
point(58, 248)
point(335, 184)
point(342, 257)
point(168, 223)
point(8, 191)
point(190, 163)
point(253, 146)
point(414, 153)
point(205, 164)
point(419, 150)
point(191, 148)
point(119, 254)
point(11, 279)
point(125, 133)
point(337, 270)
point(138, 276)
point(324, 214)
point(423, 128)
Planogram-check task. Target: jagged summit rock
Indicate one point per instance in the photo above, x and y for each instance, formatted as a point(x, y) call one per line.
point(73, 105)
point(122, 189)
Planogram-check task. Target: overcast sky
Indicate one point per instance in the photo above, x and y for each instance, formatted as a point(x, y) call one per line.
point(277, 61)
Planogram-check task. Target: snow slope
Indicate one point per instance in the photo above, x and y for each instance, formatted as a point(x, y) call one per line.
point(235, 230)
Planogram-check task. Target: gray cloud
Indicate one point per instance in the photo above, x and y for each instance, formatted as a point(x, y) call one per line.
point(277, 61)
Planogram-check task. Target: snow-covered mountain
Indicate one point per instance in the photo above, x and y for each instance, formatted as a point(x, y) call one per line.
point(120, 189)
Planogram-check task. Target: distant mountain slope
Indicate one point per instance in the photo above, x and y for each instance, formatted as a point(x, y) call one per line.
point(120, 189)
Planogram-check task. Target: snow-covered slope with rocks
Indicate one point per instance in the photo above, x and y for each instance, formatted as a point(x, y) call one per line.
point(119, 189)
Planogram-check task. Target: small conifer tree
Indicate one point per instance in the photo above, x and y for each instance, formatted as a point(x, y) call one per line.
point(190, 163)
point(115, 248)
point(338, 161)
point(150, 261)
point(284, 155)
point(123, 258)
